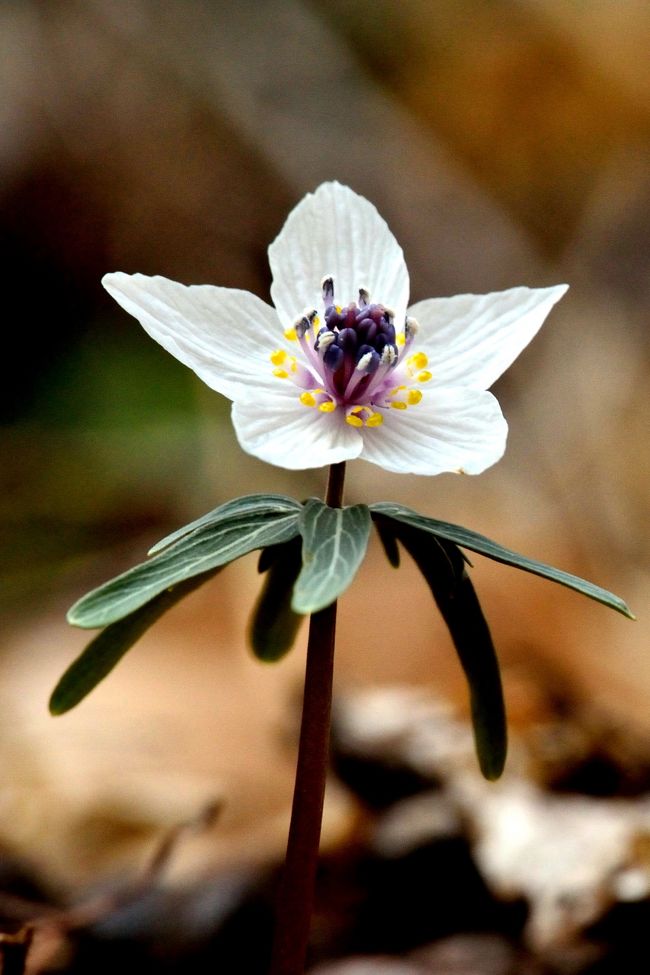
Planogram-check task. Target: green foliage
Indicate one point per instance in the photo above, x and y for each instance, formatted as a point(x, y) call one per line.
point(387, 538)
point(311, 554)
point(485, 546)
point(205, 548)
point(251, 504)
point(442, 564)
point(109, 646)
point(334, 542)
point(274, 625)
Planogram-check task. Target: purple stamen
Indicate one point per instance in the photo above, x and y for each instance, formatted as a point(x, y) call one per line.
point(348, 339)
point(354, 354)
point(333, 357)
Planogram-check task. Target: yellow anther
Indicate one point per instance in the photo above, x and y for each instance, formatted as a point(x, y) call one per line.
point(400, 339)
point(398, 404)
point(413, 397)
point(398, 389)
point(418, 360)
point(281, 373)
point(328, 407)
point(374, 420)
point(291, 335)
point(424, 376)
point(278, 356)
point(307, 399)
point(354, 420)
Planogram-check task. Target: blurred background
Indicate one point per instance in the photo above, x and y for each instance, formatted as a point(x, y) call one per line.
point(506, 143)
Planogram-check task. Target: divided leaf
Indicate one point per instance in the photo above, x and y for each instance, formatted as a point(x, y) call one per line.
point(274, 625)
point(388, 540)
point(205, 549)
point(334, 542)
point(492, 550)
point(251, 504)
point(109, 646)
point(443, 566)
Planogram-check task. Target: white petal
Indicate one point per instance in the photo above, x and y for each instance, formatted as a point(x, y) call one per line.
point(472, 339)
point(226, 336)
point(336, 232)
point(459, 430)
point(281, 431)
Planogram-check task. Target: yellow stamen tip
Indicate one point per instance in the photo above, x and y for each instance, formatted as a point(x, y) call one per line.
point(278, 356)
point(398, 404)
point(414, 396)
point(281, 373)
point(307, 399)
point(354, 420)
point(374, 420)
point(400, 339)
point(424, 376)
point(328, 407)
point(419, 360)
point(291, 335)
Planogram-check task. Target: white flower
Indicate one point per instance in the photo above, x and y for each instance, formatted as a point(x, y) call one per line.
point(340, 368)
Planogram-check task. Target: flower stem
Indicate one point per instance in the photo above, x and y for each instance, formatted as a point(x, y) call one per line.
point(296, 893)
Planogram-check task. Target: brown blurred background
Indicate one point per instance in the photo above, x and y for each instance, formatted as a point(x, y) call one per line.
point(505, 143)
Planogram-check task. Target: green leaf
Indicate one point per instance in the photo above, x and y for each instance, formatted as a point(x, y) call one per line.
point(443, 566)
point(251, 504)
point(388, 540)
point(205, 549)
point(109, 646)
point(274, 625)
point(492, 550)
point(334, 542)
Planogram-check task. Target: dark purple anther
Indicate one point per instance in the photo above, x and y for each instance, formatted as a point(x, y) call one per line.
point(370, 359)
point(333, 357)
point(348, 339)
point(302, 326)
point(364, 298)
point(362, 328)
point(332, 317)
point(371, 334)
point(328, 291)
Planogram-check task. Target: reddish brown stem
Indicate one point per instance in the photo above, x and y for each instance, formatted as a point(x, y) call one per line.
point(296, 894)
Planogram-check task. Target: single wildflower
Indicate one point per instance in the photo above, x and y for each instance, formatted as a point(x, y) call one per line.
point(341, 368)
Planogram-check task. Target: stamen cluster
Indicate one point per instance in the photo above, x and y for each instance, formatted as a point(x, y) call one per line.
point(354, 360)
point(360, 337)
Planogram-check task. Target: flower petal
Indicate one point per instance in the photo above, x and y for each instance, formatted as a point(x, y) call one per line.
point(281, 431)
point(472, 339)
point(460, 430)
point(224, 335)
point(336, 232)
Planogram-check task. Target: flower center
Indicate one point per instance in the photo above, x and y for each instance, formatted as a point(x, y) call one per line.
point(355, 361)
